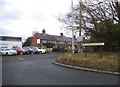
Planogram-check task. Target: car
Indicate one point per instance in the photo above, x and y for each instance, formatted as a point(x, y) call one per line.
point(58, 49)
point(38, 50)
point(29, 50)
point(42, 50)
point(76, 51)
point(21, 51)
point(8, 51)
point(35, 50)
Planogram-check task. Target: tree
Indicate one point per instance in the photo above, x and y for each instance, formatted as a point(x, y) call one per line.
point(100, 20)
point(108, 33)
point(28, 41)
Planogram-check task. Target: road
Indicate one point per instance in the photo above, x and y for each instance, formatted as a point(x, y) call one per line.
point(37, 69)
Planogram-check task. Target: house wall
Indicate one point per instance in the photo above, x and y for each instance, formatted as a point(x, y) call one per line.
point(57, 43)
point(34, 41)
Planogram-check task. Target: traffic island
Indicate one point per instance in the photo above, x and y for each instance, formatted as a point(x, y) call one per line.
point(77, 61)
point(85, 69)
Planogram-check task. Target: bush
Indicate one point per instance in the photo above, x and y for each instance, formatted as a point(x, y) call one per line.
point(49, 45)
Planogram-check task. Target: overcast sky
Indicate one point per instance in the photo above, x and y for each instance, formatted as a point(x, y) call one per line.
point(21, 17)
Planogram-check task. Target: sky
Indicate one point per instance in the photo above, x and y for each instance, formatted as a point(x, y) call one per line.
point(21, 17)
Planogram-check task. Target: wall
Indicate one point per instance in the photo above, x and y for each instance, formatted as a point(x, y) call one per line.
point(34, 41)
point(10, 44)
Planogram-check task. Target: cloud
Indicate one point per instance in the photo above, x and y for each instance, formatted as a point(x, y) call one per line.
point(24, 16)
point(5, 32)
point(8, 11)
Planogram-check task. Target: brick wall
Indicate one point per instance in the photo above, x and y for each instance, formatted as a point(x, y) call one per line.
point(34, 41)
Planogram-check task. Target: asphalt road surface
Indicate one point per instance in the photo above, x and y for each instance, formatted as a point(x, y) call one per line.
point(37, 69)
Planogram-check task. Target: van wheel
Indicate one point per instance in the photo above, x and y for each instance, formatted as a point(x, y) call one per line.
point(0, 53)
point(7, 53)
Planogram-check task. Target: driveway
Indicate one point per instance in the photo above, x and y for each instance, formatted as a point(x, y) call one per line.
point(37, 69)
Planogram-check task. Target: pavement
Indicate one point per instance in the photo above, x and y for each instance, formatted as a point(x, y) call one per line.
point(38, 69)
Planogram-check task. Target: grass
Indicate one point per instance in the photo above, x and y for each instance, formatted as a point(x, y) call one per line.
point(108, 62)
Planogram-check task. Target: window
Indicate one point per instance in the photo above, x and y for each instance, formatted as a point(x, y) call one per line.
point(38, 41)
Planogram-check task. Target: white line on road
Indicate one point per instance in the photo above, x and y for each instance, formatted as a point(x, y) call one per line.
point(21, 59)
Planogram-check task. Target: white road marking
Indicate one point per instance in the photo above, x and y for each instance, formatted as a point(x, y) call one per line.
point(21, 59)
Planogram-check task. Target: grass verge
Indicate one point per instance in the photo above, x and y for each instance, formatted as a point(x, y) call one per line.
point(109, 62)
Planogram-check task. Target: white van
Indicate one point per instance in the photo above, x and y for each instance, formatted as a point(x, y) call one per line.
point(7, 51)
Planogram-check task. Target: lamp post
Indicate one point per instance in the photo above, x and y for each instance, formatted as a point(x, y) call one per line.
point(73, 44)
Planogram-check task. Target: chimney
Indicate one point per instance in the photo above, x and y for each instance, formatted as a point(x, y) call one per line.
point(43, 31)
point(61, 34)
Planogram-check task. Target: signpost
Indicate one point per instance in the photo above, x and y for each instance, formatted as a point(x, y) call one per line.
point(94, 44)
point(80, 38)
point(80, 41)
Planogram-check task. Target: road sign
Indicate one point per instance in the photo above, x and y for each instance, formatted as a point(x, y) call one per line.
point(94, 44)
point(80, 38)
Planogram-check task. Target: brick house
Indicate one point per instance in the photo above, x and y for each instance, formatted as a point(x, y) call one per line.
point(40, 38)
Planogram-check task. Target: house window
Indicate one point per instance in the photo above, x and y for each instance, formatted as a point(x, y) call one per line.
point(38, 41)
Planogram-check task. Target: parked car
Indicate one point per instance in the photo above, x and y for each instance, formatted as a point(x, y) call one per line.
point(42, 50)
point(35, 50)
point(21, 51)
point(76, 50)
point(29, 50)
point(59, 49)
point(8, 51)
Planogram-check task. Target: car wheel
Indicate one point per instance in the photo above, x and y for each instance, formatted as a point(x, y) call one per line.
point(18, 53)
point(32, 53)
point(7, 53)
point(21, 53)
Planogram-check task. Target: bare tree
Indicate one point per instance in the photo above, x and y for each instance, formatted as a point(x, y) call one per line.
point(92, 14)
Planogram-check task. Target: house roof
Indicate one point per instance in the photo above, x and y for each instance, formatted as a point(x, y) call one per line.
point(63, 38)
point(55, 38)
point(47, 37)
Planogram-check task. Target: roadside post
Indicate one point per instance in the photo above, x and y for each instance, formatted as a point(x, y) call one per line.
point(73, 42)
point(85, 52)
point(93, 44)
point(80, 40)
point(100, 51)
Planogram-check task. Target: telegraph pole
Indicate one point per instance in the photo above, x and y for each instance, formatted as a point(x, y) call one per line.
point(73, 44)
point(80, 19)
point(80, 26)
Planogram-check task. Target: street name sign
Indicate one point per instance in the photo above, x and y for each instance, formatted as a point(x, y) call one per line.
point(94, 44)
